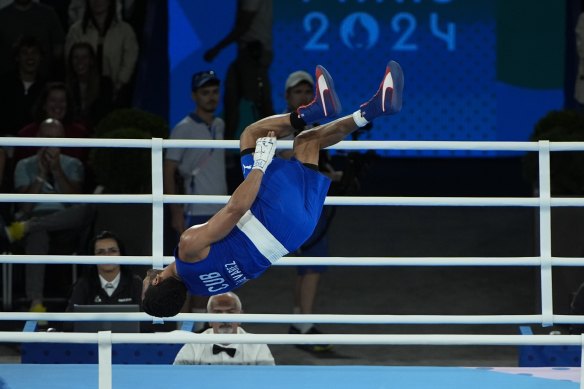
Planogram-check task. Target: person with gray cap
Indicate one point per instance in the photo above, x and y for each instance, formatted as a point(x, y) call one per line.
point(299, 91)
point(197, 171)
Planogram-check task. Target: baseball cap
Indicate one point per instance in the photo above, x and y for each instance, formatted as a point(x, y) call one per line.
point(298, 77)
point(203, 78)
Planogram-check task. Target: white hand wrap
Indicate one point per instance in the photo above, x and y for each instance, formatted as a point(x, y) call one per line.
point(264, 152)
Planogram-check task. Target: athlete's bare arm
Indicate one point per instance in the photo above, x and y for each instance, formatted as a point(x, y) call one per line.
point(195, 242)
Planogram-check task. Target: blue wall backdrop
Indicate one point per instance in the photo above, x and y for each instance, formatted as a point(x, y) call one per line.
point(475, 70)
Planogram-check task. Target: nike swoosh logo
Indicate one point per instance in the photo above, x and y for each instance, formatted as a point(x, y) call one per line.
point(387, 83)
point(322, 87)
point(246, 167)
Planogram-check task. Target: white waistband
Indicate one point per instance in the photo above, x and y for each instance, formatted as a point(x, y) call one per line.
point(262, 239)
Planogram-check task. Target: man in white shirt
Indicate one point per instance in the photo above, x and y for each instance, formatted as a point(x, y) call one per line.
point(224, 354)
point(202, 171)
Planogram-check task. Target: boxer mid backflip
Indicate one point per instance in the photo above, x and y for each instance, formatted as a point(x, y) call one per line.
point(275, 209)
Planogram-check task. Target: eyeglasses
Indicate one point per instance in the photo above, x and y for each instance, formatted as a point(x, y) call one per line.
point(108, 251)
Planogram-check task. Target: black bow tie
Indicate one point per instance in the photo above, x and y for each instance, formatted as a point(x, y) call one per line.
point(229, 350)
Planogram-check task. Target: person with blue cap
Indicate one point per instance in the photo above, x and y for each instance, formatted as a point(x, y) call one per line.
point(196, 171)
point(202, 170)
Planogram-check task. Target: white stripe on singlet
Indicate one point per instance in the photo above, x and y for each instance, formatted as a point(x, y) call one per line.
point(262, 239)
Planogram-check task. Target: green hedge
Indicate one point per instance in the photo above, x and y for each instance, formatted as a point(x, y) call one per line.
point(126, 170)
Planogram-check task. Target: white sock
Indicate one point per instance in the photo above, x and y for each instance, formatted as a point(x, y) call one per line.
point(360, 121)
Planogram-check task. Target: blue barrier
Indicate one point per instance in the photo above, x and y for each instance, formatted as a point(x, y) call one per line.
point(552, 356)
point(76, 353)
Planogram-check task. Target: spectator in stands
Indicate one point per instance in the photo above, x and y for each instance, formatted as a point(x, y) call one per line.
point(55, 102)
point(108, 283)
point(76, 9)
point(28, 18)
point(92, 93)
point(247, 77)
point(48, 171)
point(114, 42)
point(202, 171)
point(76, 217)
point(21, 87)
point(224, 354)
point(197, 171)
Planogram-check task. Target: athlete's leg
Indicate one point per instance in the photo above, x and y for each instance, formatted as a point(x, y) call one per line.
point(308, 144)
point(386, 101)
point(326, 104)
point(280, 124)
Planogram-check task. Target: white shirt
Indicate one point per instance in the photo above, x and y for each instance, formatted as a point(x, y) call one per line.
point(245, 354)
point(104, 282)
point(202, 170)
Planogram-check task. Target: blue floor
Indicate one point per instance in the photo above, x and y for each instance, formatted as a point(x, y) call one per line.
point(44, 376)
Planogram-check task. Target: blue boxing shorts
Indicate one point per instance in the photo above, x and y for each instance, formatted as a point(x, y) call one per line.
point(315, 246)
point(290, 200)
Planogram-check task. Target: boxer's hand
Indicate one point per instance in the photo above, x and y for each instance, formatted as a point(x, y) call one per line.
point(264, 152)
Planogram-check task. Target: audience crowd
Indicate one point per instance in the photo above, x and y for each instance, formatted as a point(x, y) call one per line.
point(60, 77)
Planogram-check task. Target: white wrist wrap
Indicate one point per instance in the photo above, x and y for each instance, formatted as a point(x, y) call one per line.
point(360, 121)
point(264, 152)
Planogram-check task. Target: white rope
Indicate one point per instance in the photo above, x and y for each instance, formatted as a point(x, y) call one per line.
point(301, 261)
point(179, 337)
point(332, 200)
point(295, 318)
point(344, 145)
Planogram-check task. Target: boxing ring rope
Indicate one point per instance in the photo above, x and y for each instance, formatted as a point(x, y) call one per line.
point(299, 261)
point(346, 339)
point(105, 339)
point(292, 318)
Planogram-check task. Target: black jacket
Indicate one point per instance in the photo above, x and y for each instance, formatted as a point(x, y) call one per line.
point(88, 290)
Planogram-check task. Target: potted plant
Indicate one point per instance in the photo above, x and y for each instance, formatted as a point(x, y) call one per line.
point(126, 171)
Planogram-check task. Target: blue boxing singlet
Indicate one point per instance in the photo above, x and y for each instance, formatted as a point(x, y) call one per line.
point(280, 220)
